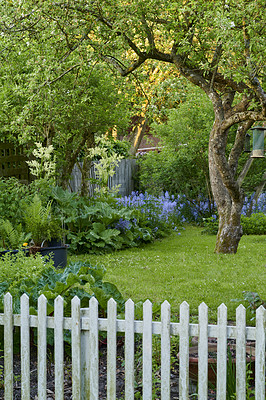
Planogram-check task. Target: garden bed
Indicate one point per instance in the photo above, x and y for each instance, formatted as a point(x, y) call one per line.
point(120, 378)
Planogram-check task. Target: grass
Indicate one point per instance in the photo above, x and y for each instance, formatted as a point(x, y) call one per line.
point(184, 268)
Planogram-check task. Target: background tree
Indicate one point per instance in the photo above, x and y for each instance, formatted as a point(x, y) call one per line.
point(181, 167)
point(63, 104)
point(218, 46)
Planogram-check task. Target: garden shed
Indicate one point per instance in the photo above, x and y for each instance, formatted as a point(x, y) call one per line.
point(13, 162)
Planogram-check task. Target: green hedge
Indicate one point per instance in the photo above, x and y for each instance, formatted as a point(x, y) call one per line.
point(254, 225)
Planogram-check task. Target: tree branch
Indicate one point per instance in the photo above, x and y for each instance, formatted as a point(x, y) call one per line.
point(85, 36)
point(252, 67)
point(236, 118)
point(148, 31)
point(47, 82)
point(124, 71)
point(238, 145)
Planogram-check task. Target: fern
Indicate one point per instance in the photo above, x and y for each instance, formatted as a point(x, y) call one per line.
point(37, 217)
point(13, 237)
point(39, 221)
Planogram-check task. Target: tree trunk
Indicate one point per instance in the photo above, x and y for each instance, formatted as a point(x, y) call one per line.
point(227, 195)
point(137, 135)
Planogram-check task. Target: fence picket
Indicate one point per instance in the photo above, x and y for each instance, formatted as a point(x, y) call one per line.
point(222, 352)
point(111, 350)
point(75, 337)
point(203, 352)
point(59, 347)
point(184, 352)
point(241, 353)
point(8, 346)
point(129, 350)
point(260, 353)
point(42, 346)
point(94, 350)
point(147, 350)
point(165, 351)
point(25, 347)
point(85, 357)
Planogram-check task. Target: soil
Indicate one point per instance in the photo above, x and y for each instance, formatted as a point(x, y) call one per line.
point(120, 378)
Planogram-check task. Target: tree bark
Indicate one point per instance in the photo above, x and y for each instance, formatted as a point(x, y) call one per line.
point(227, 194)
point(137, 135)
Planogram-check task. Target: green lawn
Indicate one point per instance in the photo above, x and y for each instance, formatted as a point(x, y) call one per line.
point(184, 267)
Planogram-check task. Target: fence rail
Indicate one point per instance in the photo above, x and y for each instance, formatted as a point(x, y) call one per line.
point(85, 325)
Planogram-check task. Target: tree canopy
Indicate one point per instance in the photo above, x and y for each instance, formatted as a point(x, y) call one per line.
point(217, 45)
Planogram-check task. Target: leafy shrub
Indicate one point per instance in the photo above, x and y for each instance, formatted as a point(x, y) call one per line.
point(211, 225)
point(14, 267)
point(254, 301)
point(252, 206)
point(254, 225)
point(78, 279)
point(11, 194)
point(102, 227)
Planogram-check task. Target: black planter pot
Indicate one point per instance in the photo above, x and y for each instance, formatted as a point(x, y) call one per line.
point(13, 252)
point(57, 253)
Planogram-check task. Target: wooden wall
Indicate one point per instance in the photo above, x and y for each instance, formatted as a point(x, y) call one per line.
point(13, 162)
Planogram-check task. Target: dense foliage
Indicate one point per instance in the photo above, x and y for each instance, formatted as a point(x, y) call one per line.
point(90, 224)
point(253, 225)
point(96, 225)
point(81, 279)
point(18, 266)
point(78, 279)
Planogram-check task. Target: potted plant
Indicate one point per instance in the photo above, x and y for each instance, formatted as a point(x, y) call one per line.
point(46, 231)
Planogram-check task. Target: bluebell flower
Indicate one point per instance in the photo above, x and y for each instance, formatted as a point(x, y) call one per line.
point(123, 225)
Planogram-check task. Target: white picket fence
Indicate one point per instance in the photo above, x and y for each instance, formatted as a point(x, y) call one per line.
point(85, 325)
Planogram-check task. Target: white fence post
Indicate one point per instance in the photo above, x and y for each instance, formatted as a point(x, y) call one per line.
point(94, 350)
point(260, 353)
point(222, 352)
point(165, 351)
point(241, 353)
point(147, 351)
point(129, 350)
point(184, 352)
point(42, 346)
point(59, 347)
point(85, 357)
point(76, 359)
point(203, 352)
point(8, 346)
point(111, 350)
point(25, 347)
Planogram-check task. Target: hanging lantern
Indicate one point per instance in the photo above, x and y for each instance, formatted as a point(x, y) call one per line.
point(247, 143)
point(258, 142)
